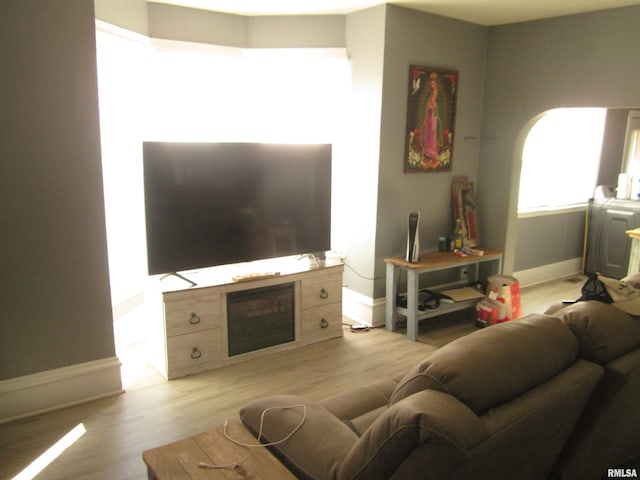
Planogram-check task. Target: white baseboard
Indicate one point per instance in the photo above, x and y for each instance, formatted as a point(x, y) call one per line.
point(545, 273)
point(363, 309)
point(61, 387)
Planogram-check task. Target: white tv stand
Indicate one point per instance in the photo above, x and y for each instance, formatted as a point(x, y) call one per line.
point(190, 323)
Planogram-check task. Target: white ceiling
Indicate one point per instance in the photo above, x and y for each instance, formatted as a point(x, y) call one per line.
point(482, 12)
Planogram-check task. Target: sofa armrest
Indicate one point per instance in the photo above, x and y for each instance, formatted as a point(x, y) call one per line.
point(608, 432)
point(320, 442)
point(431, 418)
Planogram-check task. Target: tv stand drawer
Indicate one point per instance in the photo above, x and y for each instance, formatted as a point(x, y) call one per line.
point(194, 352)
point(321, 290)
point(192, 314)
point(322, 323)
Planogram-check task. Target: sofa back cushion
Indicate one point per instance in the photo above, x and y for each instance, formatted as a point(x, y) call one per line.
point(604, 331)
point(493, 365)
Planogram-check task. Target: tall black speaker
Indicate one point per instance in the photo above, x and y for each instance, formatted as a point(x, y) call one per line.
point(413, 239)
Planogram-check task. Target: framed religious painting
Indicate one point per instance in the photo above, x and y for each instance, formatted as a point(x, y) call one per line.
point(431, 113)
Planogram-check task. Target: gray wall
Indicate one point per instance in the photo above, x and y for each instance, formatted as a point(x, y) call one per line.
point(55, 307)
point(128, 14)
point(430, 40)
point(357, 169)
point(193, 25)
point(587, 60)
point(549, 239)
point(613, 146)
point(377, 217)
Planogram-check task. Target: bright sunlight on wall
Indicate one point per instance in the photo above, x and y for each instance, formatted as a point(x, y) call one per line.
point(267, 95)
point(162, 90)
point(561, 158)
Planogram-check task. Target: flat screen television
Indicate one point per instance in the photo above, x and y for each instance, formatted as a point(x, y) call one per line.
point(210, 204)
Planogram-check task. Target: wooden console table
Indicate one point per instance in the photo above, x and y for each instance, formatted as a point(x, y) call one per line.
point(429, 262)
point(179, 460)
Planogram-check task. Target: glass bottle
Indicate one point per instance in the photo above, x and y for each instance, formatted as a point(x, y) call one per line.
point(458, 236)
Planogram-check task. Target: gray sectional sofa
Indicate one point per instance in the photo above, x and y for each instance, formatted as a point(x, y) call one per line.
point(552, 396)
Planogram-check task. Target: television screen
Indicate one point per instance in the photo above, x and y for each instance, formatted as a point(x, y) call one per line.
point(210, 204)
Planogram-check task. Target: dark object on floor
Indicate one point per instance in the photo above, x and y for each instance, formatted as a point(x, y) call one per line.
point(594, 289)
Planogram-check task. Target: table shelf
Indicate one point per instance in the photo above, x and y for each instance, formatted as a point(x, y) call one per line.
point(443, 309)
point(429, 262)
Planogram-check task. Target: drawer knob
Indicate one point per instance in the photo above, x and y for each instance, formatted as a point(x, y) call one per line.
point(195, 353)
point(324, 323)
point(194, 319)
point(324, 294)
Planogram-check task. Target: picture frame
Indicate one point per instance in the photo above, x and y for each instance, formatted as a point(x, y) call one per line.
point(431, 111)
point(465, 210)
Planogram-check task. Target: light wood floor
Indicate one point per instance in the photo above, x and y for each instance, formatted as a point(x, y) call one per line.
point(154, 412)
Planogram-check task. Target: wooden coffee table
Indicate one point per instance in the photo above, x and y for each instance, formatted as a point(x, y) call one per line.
point(180, 460)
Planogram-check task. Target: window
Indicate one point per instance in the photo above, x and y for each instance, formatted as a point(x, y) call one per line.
point(162, 90)
point(560, 159)
point(203, 93)
point(631, 154)
point(634, 148)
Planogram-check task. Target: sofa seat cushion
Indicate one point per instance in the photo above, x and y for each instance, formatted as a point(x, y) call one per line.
point(494, 365)
point(358, 407)
point(604, 331)
point(358, 401)
point(318, 446)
